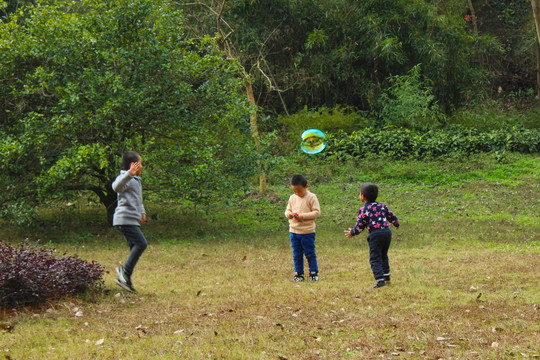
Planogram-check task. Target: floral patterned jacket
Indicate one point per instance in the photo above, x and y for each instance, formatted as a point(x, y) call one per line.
point(374, 216)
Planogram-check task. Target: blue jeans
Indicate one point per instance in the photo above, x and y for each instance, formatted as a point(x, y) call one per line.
point(304, 244)
point(137, 244)
point(379, 243)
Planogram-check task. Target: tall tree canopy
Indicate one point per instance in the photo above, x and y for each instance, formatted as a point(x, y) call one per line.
point(82, 82)
point(328, 52)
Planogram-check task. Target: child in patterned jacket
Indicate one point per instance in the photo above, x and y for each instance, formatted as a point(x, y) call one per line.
point(375, 217)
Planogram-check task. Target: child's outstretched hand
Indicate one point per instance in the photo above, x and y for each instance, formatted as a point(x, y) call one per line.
point(143, 218)
point(348, 233)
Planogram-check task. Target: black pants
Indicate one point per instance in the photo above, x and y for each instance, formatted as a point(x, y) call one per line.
point(379, 243)
point(137, 244)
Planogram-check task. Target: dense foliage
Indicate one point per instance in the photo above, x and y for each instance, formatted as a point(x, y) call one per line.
point(82, 82)
point(30, 275)
point(399, 143)
point(324, 53)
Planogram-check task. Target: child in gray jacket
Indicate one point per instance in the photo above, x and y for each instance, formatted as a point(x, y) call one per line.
point(129, 215)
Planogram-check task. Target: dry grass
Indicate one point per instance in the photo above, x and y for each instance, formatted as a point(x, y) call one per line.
point(464, 278)
point(200, 301)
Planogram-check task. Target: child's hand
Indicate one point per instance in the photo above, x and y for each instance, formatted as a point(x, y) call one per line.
point(290, 216)
point(143, 218)
point(299, 217)
point(348, 233)
point(135, 168)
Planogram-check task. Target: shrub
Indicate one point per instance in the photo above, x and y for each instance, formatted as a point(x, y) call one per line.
point(398, 143)
point(490, 115)
point(409, 102)
point(325, 119)
point(30, 275)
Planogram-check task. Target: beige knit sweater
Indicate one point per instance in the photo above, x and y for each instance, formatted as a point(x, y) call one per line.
point(308, 206)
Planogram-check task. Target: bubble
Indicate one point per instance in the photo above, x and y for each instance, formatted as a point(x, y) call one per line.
point(313, 141)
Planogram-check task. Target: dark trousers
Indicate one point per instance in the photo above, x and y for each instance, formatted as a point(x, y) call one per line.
point(379, 243)
point(304, 244)
point(137, 244)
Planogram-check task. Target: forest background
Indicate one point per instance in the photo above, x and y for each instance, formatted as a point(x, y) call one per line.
point(226, 87)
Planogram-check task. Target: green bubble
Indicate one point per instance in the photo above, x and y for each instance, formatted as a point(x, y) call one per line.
point(313, 141)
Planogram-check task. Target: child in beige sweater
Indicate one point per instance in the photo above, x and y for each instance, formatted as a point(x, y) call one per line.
point(302, 210)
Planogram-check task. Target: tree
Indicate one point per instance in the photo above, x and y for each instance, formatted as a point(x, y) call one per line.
point(80, 83)
point(536, 13)
point(212, 20)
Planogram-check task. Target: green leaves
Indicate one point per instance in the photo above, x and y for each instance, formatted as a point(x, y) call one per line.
point(399, 143)
point(86, 83)
point(409, 102)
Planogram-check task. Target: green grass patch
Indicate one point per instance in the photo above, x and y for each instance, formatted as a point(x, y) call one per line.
point(215, 283)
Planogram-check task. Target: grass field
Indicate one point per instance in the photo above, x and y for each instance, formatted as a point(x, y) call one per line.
point(464, 264)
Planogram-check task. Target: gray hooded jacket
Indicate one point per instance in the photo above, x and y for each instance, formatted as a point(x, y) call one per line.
point(130, 202)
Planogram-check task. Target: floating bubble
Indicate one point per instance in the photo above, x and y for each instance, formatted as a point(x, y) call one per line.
point(313, 141)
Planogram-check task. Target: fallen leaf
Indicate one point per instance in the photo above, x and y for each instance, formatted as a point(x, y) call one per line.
point(79, 313)
point(495, 344)
point(244, 258)
point(100, 342)
point(7, 327)
point(199, 292)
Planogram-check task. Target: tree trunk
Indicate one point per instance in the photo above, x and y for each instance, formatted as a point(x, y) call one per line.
point(536, 12)
point(226, 47)
point(256, 136)
point(109, 199)
point(538, 72)
point(473, 17)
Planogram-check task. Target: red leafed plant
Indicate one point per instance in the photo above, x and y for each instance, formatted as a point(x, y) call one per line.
point(30, 275)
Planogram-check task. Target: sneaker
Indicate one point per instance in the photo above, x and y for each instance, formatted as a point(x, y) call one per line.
point(298, 277)
point(122, 277)
point(124, 281)
point(387, 279)
point(380, 283)
point(125, 286)
point(314, 276)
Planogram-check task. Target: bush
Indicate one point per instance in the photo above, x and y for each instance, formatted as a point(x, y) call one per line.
point(325, 119)
point(398, 143)
point(490, 115)
point(409, 102)
point(30, 275)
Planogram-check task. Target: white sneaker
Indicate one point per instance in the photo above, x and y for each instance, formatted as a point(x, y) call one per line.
point(121, 276)
point(123, 280)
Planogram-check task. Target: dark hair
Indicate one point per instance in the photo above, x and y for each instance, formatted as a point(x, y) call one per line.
point(299, 180)
point(370, 191)
point(128, 158)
